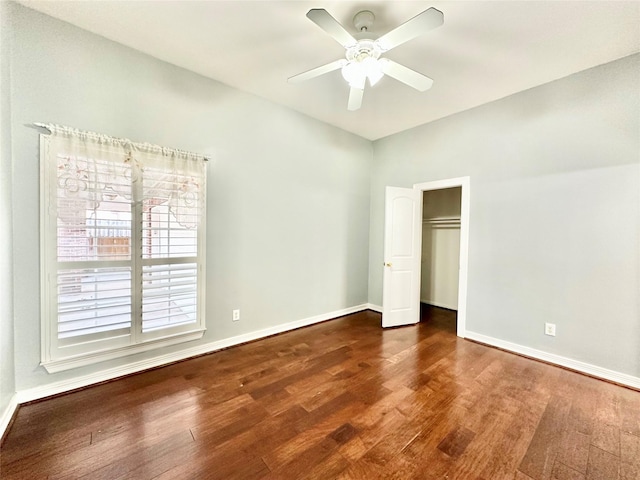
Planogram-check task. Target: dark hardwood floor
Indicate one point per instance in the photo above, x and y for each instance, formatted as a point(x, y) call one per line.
point(338, 400)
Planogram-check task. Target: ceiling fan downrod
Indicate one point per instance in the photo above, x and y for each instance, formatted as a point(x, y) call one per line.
point(363, 21)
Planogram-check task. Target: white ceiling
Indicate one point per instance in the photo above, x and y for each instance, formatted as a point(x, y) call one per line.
point(485, 50)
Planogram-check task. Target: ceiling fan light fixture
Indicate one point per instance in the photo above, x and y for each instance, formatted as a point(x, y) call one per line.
point(373, 70)
point(354, 73)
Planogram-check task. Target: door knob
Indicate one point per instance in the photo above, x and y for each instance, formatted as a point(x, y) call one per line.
point(388, 264)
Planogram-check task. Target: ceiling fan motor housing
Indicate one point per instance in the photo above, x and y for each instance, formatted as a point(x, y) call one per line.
point(363, 49)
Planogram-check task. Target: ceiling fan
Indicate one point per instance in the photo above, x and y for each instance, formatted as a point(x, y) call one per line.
point(363, 56)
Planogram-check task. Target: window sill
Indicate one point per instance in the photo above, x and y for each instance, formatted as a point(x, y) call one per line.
point(62, 364)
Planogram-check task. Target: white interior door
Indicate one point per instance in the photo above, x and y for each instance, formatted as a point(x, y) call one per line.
point(402, 250)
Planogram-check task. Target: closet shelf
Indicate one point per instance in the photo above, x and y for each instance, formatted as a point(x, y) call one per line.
point(443, 221)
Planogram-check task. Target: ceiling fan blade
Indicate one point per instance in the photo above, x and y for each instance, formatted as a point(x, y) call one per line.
point(316, 72)
point(326, 22)
point(421, 23)
point(355, 98)
point(406, 75)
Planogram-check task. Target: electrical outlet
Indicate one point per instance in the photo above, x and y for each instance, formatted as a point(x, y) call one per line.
point(550, 329)
point(236, 315)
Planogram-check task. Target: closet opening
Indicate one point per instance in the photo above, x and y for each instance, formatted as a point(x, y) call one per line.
point(440, 257)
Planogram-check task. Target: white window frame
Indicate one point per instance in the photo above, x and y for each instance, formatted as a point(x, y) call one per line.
point(55, 356)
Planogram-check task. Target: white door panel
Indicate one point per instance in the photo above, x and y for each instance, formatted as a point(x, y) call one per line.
point(402, 251)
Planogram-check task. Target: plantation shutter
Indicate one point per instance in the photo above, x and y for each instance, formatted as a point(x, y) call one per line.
point(172, 207)
point(123, 230)
point(92, 197)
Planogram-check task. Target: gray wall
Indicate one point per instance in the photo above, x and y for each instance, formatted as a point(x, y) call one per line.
point(288, 196)
point(555, 211)
point(7, 373)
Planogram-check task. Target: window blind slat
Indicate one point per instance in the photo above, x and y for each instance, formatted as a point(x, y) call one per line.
point(71, 325)
point(113, 329)
point(93, 300)
point(175, 296)
point(168, 283)
point(173, 277)
point(169, 295)
point(122, 305)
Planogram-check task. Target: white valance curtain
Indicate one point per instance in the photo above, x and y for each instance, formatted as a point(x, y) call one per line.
point(93, 167)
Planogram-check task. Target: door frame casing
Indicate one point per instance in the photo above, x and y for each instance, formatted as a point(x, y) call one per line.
point(465, 184)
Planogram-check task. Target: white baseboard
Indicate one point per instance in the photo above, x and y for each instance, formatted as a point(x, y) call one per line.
point(587, 368)
point(7, 414)
point(439, 305)
point(56, 388)
point(374, 307)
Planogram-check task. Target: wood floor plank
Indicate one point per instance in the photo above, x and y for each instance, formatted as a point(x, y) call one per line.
point(503, 455)
point(602, 465)
point(329, 467)
point(563, 472)
point(423, 449)
point(521, 476)
point(298, 465)
point(606, 437)
point(341, 399)
point(361, 470)
point(314, 433)
point(484, 457)
point(582, 416)
point(382, 407)
point(608, 406)
point(111, 459)
point(629, 457)
point(630, 413)
point(573, 450)
point(456, 441)
point(541, 454)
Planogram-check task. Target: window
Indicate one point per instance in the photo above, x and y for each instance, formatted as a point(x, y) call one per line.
point(122, 238)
